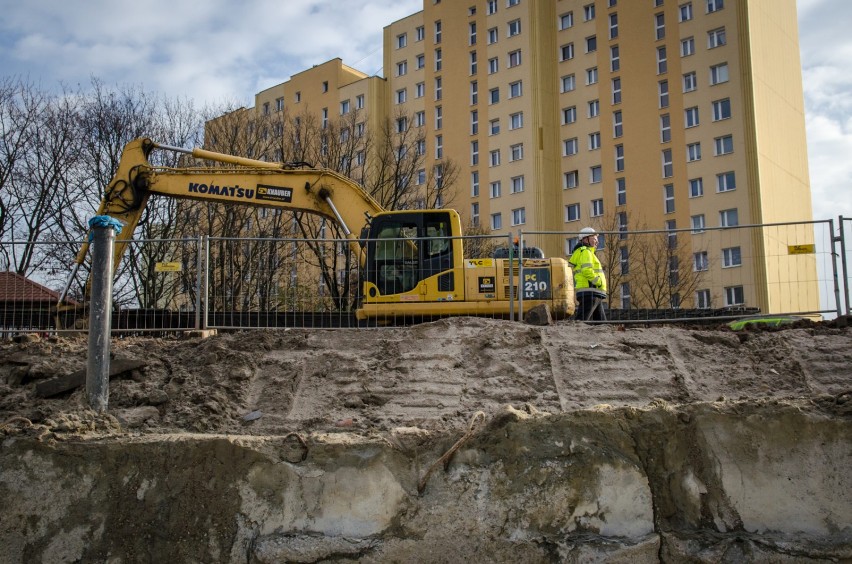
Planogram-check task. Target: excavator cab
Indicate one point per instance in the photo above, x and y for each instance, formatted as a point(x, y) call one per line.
point(405, 248)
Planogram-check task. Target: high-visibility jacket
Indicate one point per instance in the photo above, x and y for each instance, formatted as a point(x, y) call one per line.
point(588, 274)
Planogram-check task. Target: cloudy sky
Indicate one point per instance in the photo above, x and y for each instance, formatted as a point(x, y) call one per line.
point(216, 52)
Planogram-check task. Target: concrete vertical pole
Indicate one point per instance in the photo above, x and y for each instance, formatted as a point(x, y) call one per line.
point(100, 317)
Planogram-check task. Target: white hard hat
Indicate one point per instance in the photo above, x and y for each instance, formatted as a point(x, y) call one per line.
point(587, 232)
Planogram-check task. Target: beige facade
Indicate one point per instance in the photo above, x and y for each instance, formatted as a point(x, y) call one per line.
point(645, 114)
point(662, 114)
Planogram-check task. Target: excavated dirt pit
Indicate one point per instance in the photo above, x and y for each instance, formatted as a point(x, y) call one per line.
point(458, 440)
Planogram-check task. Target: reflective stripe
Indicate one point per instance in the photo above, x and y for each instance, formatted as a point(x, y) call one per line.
point(586, 265)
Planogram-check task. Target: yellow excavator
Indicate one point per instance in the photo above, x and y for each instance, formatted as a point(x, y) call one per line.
point(412, 261)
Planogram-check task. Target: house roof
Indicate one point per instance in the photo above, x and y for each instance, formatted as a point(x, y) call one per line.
point(17, 288)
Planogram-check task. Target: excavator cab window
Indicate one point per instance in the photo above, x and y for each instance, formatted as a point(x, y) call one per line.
point(407, 247)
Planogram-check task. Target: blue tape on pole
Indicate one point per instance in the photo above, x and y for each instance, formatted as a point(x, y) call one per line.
point(104, 221)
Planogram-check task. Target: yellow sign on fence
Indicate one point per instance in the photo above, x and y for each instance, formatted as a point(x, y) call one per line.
point(801, 249)
point(167, 267)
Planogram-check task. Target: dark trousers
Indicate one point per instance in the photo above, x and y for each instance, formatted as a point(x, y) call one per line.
point(590, 306)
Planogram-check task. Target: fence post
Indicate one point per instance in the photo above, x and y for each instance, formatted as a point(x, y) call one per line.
point(520, 275)
point(205, 283)
point(199, 260)
point(842, 238)
point(104, 230)
point(511, 278)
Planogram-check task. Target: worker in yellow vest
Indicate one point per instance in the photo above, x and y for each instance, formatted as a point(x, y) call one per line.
point(589, 279)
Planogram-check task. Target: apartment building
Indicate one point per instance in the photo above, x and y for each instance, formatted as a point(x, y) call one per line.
point(658, 114)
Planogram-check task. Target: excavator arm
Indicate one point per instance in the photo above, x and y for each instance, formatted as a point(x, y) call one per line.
point(245, 182)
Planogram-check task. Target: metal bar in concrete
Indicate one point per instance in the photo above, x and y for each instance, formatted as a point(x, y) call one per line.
point(100, 317)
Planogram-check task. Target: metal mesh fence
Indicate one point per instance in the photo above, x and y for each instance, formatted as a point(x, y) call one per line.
point(165, 285)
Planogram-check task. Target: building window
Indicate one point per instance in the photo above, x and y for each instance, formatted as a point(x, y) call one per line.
point(421, 60)
point(702, 299)
point(729, 218)
point(474, 153)
point(597, 208)
point(474, 93)
point(493, 95)
point(734, 296)
point(519, 216)
point(719, 74)
point(721, 109)
point(622, 225)
point(494, 126)
point(690, 82)
point(494, 189)
point(510, 3)
point(696, 187)
point(566, 52)
point(613, 25)
point(401, 124)
point(665, 128)
point(691, 116)
point(671, 233)
point(700, 261)
point(594, 108)
point(400, 96)
point(570, 179)
point(474, 214)
point(594, 140)
point(439, 146)
point(668, 167)
point(471, 33)
point(514, 58)
point(715, 5)
point(595, 174)
point(516, 152)
point(617, 127)
point(693, 152)
point(474, 184)
point(421, 177)
point(401, 40)
point(324, 118)
point(663, 89)
point(569, 147)
point(687, 47)
point(731, 257)
point(569, 115)
point(716, 38)
point(266, 108)
point(438, 88)
point(592, 75)
point(438, 31)
point(494, 157)
point(662, 63)
point(439, 117)
point(616, 90)
point(473, 66)
point(660, 26)
point(625, 295)
point(438, 59)
point(623, 260)
point(572, 212)
point(614, 59)
point(588, 12)
point(514, 28)
point(566, 20)
point(724, 145)
point(420, 33)
point(325, 86)
point(620, 192)
point(726, 182)
point(493, 65)
point(568, 83)
point(492, 36)
point(516, 120)
point(668, 198)
point(515, 89)
point(697, 222)
point(591, 44)
point(517, 184)
point(359, 102)
point(496, 221)
point(685, 11)
point(420, 90)
point(492, 7)
point(402, 68)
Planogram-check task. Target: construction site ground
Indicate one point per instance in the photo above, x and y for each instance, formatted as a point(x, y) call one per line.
point(462, 439)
